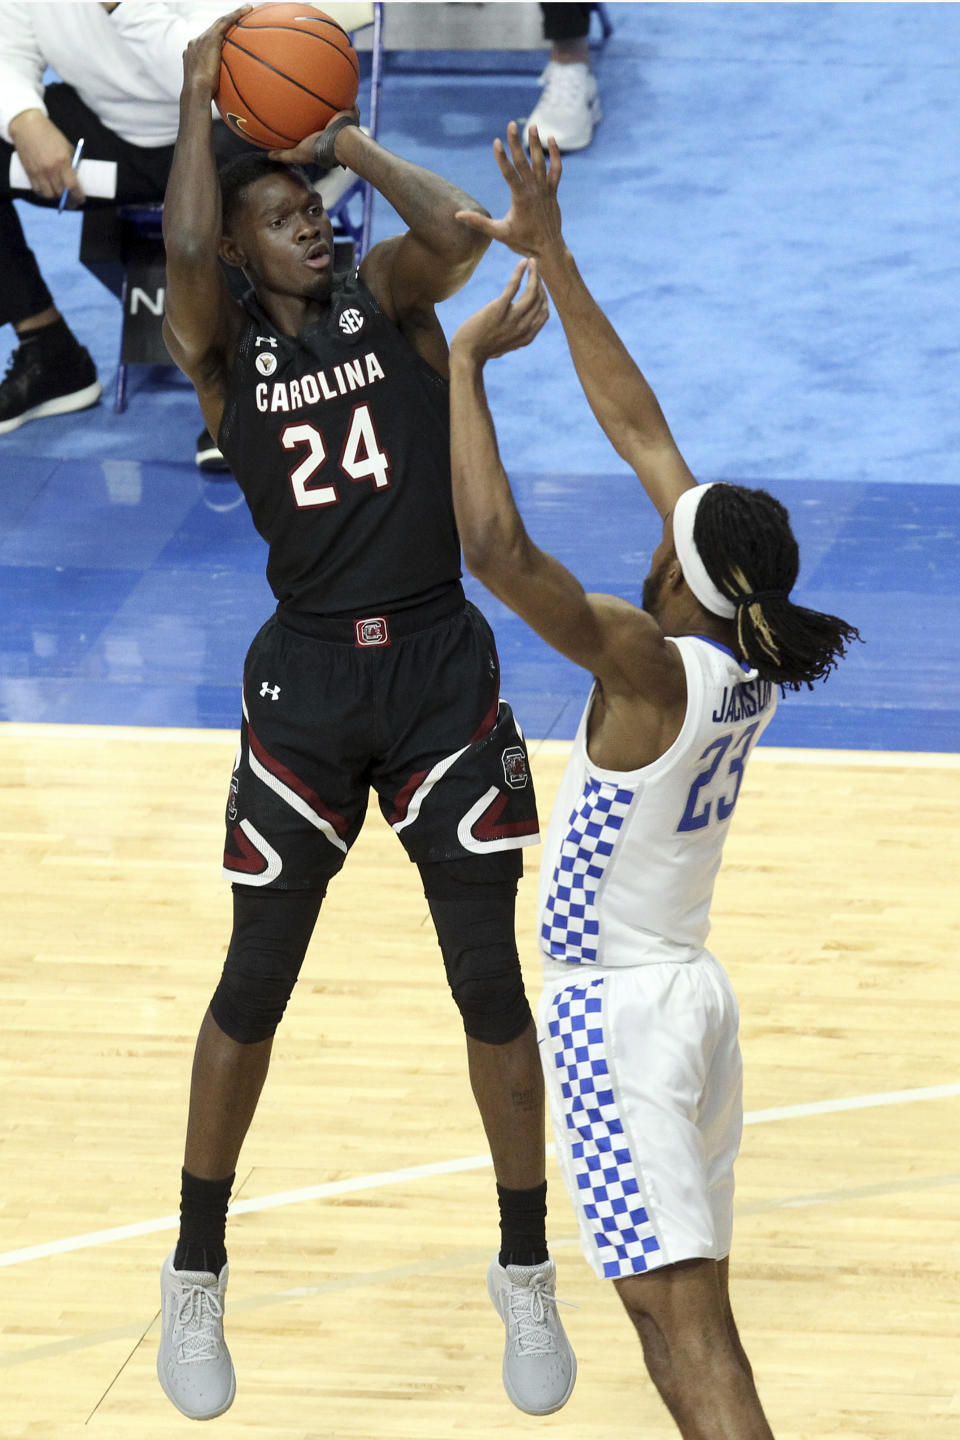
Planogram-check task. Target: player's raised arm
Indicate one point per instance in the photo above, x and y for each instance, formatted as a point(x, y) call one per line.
point(619, 396)
point(614, 640)
point(201, 319)
point(410, 273)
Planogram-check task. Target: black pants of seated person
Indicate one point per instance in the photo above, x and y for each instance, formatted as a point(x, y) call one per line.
point(142, 173)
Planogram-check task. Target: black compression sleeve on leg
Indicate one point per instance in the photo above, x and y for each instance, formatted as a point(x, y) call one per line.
point(472, 902)
point(271, 932)
point(472, 875)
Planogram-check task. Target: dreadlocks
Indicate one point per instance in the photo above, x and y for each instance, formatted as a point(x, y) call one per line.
point(749, 552)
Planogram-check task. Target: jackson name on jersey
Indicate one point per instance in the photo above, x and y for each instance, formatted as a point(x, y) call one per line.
point(742, 702)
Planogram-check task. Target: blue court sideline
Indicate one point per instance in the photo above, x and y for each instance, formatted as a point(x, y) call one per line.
point(769, 215)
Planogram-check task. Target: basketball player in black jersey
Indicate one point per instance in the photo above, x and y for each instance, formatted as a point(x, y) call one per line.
point(328, 396)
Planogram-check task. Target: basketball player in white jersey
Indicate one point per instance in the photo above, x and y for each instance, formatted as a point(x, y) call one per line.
point(638, 1022)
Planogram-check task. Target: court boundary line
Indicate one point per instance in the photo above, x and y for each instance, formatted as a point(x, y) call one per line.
point(95, 1238)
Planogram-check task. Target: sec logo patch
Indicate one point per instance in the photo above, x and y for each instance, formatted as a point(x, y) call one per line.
point(351, 321)
point(266, 363)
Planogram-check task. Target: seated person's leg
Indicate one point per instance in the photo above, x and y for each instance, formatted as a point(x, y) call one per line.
point(51, 373)
point(569, 107)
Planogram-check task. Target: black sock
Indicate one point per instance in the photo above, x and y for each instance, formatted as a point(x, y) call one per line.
point(523, 1225)
point(203, 1223)
point(55, 335)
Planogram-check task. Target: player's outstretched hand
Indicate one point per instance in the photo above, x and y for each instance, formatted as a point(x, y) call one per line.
point(507, 323)
point(532, 225)
point(306, 152)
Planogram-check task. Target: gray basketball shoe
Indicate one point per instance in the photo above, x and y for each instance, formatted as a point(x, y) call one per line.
point(194, 1365)
point(539, 1366)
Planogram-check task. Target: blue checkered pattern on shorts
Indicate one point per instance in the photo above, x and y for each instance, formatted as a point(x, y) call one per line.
point(606, 1177)
point(571, 926)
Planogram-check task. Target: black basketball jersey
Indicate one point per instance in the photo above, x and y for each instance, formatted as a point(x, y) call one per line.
point(340, 441)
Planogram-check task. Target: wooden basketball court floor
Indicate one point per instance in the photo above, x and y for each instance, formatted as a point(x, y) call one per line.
point(366, 1214)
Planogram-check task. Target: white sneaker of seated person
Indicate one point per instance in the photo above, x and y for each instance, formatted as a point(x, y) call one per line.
point(569, 107)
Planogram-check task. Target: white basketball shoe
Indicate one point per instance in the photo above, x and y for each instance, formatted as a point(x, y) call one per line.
point(539, 1366)
point(194, 1365)
point(568, 109)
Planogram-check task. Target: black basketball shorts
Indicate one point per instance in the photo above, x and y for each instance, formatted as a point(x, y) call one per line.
point(407, 703)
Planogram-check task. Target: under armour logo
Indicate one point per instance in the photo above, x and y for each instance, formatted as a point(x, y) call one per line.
point(272, 690)
point(265, 340)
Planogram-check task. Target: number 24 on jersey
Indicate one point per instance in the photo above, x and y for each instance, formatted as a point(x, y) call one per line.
point(361, 459)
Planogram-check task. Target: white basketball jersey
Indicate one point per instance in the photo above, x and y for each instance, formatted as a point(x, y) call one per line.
point(631, 856)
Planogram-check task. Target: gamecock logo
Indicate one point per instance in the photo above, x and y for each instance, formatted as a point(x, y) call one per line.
point(515, 770)
point(373, 632)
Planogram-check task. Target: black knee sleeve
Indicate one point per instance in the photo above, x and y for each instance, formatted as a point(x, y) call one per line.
point(472, 903)
point(271, 932)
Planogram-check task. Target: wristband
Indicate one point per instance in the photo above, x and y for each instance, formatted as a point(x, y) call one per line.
point(323, 153)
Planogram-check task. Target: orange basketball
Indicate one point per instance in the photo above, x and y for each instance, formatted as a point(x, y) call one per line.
point(284, 71)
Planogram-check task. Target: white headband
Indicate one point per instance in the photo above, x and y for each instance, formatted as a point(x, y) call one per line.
point(694, 570)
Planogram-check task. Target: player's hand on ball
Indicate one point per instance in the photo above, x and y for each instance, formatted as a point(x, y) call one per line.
point(306, 153)
point(201, 59)
point(507, 323)
point(532, 226)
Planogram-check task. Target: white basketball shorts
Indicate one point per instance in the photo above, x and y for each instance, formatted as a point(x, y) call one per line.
point(644, 1080)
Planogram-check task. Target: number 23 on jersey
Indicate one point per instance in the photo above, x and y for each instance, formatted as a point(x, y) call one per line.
point(714, 792)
